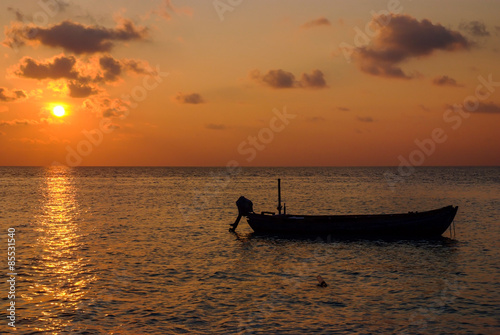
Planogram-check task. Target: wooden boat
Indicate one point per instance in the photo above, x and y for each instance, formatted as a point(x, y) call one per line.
point(431, 223)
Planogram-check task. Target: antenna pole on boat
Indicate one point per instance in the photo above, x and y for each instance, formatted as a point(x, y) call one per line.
point(279, 197)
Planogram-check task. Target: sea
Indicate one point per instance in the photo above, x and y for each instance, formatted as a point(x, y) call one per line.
point(146, 250)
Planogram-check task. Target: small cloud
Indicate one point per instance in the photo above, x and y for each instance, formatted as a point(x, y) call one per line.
point(11, 95)
point(275, 78)
point(192, 98)
point(344, 109)
point(488, 108)
point(216, 126)
point(313, 80)
point(445, 81)
point(474, 28)
point(365, 119)
point(19, 122)
point(322, 21)
point(284, 79)
point(106, 107)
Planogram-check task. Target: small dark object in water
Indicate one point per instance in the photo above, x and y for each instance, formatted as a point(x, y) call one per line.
point(322, 283)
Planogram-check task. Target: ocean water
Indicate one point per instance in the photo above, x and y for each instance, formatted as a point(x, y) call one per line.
point(147, 251)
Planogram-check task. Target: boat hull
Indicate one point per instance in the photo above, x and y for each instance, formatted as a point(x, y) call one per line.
point(413, 224)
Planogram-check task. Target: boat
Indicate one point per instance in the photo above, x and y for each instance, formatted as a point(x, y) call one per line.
point(426, 224)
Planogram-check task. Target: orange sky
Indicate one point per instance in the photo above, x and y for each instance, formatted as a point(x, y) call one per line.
point(252, 83)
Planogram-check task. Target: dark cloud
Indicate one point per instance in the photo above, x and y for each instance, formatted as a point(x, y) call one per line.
point(474, 28)
point(11, 95)
point(106, 107)
point(111, 68)
point(275, 78)
point(445, 81)
point(57, 68)
point(365, 119)
point(136, 66)
point(80, 89)
point(313, 80)
point(61, 67)
point(284, 79)
point(322, 21)
point(404, 38)
point(19, 122)
point(344, 109)
point(75, 37)
point(192, 98)
point(81, 78)
point(488, 108)
point(216, 126)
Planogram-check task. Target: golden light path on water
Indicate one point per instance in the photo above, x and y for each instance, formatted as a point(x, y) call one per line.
point(60, 280)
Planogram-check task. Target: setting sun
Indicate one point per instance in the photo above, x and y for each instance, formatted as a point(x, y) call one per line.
point(59, 111)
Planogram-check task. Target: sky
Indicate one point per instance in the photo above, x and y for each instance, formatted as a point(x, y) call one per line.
point(250, 83)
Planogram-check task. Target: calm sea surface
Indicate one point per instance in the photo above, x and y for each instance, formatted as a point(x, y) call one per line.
point(147, 251)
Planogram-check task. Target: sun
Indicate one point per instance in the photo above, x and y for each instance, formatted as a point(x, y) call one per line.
point(58, 111)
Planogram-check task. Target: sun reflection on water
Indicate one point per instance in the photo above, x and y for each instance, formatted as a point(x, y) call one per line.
point(60, 278)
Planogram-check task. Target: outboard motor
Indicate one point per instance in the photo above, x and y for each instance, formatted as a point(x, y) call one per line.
point(245, 207)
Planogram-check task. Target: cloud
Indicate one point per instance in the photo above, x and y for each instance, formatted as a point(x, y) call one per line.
point(488, 108)
point(284, 79)
point(344, 109)
point(111, 67)
point(274, 78)
point(404, 38)
point(365, 119)
point(191, 98)
point(11, 95)
point(313, 80)
point(57, 68)
point(19, 122)
point(17, 12)
point(107, 107)
point(474, 28)
point(216, 126)
point(79, 77)
point(79, 89)
point(445, 81)
point(74, 37)
point(322, 21)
